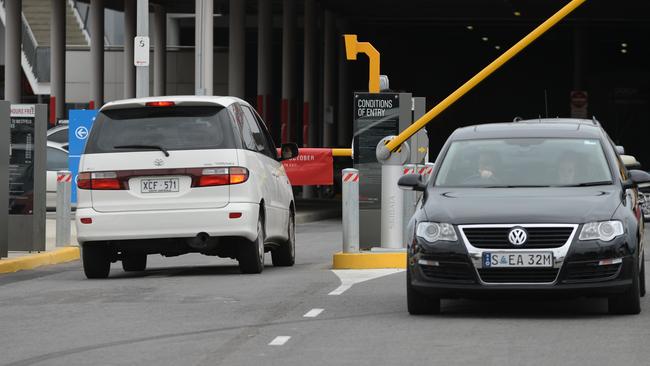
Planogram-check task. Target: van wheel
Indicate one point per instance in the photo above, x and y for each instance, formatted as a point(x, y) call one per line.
point(251, 253)
point(96, 261)
point(285, 254)
point(134, 262)
point(628, 302)
point(418, 303)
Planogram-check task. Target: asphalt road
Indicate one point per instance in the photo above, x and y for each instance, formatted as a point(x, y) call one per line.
point(196, 310)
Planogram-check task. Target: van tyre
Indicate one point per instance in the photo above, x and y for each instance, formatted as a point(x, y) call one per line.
point(134, 262)
point(419, 303)
point(96, 261)
point(251, 253)
point(285, 254)
point(628, 302)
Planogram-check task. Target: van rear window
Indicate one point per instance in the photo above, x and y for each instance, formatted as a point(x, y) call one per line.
point(173, 128)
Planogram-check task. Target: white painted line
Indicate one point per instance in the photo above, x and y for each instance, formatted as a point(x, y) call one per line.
point(313, 313)
point(351, 277)
point(279, 341)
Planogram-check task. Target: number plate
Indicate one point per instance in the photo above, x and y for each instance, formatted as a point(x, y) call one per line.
point(166, 185)
point(504, 260)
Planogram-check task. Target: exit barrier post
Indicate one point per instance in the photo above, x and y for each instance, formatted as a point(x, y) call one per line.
point(392, 198)
point(63, 199)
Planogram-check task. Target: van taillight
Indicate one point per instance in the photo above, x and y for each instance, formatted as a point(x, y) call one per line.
point(222, 176)
point(104, 181)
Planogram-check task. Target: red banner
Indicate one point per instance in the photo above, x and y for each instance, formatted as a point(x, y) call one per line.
point(312, 167)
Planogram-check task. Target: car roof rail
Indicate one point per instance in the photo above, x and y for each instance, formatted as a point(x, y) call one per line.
point(517, 119)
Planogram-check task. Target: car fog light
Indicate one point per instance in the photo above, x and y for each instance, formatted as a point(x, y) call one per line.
point(426, 262)
point(607, 262)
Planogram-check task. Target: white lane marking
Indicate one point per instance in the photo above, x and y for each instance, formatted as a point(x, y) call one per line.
point(350, 277)
point(279, 341)
point(313, 313)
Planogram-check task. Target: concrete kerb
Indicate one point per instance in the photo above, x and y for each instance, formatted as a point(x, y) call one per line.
point(31, 261)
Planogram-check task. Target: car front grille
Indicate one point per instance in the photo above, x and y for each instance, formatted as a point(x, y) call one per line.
point(518, 275)
point(497, 237)
point(590, 271)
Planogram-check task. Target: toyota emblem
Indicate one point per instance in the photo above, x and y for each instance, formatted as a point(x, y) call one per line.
point(517, 236)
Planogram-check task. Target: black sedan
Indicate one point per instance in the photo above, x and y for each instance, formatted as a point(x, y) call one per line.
point(533, 207)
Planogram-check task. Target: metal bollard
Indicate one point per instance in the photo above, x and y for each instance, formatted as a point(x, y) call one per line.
point(350, 178)
point(63, 197)
point(409, 201)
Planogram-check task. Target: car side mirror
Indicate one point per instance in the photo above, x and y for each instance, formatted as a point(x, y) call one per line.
point(412, 182)
point(288, 151)
point(630, 162)
point(639, 177)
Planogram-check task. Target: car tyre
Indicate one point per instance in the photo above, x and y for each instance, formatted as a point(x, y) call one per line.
point(628, 302)
point(134, 262)
point(96, 262)
point(285, 254)
point(251, 253)
point(419, 303)
point(642, 277)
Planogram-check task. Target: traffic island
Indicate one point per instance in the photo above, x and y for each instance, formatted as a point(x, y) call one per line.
point(369, 260)
point(31, 261)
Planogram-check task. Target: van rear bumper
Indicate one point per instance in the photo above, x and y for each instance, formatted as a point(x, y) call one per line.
point(135, 225)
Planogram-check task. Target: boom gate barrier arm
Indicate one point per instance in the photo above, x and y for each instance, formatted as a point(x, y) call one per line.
point(387, 149)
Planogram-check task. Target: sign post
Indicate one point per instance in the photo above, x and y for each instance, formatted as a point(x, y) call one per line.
point(4, 178)
point(27, 174)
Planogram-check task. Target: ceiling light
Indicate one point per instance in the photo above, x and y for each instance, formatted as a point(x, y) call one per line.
point(470, 27)
point(497, 47)
point(623, 50)
point(623, 44)
point(485, 39)
point(516, 13)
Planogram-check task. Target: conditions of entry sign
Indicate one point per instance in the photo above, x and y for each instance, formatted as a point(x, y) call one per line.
point(21, 160)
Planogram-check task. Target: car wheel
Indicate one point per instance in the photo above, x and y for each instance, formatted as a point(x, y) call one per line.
point(251, 253)
point(418, 303)
point(285, 254)
point(96, 261)
point(642, 277)
point(134, 262)
point(628, 302)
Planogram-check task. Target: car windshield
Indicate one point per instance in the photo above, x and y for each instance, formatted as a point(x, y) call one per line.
point(169, 128)
point(524, 162)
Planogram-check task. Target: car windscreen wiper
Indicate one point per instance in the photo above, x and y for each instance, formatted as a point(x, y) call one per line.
point(589, 184)
point(147, 147)
point(519, 186)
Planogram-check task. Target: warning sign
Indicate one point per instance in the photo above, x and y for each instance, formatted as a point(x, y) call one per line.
point(579, 104)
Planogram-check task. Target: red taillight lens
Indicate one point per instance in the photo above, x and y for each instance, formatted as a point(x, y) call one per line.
point(222, 176)
point(83, 181)
point(86, 220)
point(160, 104)
point(99, 181)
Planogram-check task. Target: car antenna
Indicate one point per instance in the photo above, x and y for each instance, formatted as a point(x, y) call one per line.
point(594, 120)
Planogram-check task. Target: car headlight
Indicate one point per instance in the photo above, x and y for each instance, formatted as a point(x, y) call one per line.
point(433, 232)
point(603, 230)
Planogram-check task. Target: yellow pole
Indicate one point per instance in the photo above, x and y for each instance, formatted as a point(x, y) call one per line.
point(342, 152)
point(487, 71)
point(354, 47)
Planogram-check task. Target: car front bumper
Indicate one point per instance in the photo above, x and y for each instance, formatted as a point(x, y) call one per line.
point(136, 225)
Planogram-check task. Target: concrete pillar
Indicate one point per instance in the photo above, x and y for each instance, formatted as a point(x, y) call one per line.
point(237, 49)
point(160, 51)
point(264, 59)
point(309, 84)
point(13, 69)
point(57, 60)
point(204, 49)
point(97, 53)
point(129, 35)
point(288, 70)
point(142, 30)
point(329, 71)
point(344, 112)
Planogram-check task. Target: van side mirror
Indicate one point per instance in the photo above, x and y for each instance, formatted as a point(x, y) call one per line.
point(412, 182)
point(288, 151)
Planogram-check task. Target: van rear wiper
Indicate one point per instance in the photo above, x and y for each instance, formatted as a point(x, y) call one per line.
point(146, 147)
